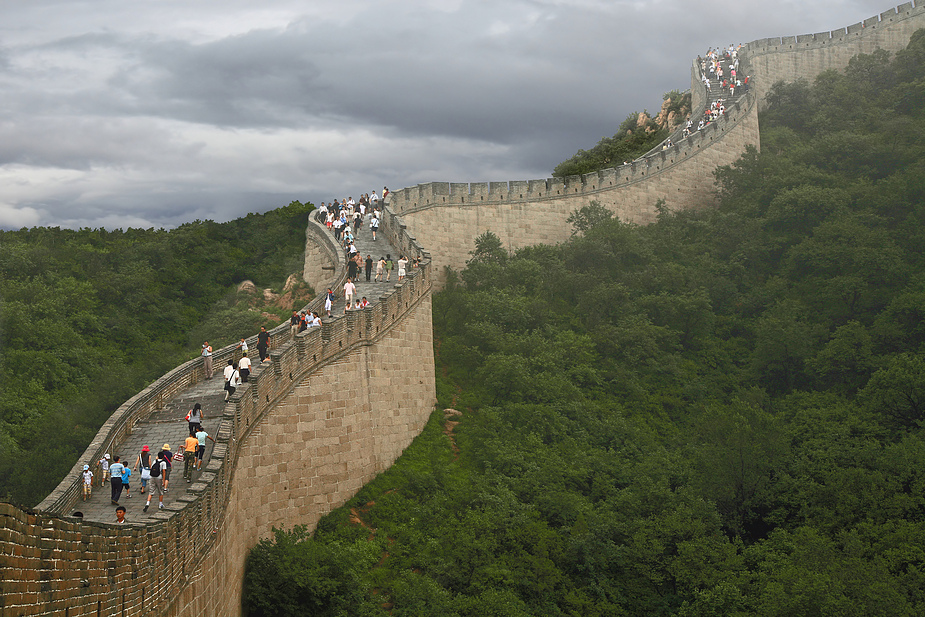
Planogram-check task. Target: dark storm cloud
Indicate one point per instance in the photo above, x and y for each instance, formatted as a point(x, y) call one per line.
point(125, 113)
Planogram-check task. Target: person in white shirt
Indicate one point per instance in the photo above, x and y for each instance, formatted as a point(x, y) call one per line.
point(244, 367)
point(88, 481)
point(115, 479)
point(349, 291)
point(232, 379)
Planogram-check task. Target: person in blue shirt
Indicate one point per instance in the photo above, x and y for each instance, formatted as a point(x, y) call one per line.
point(115, 479)
point(125, 476)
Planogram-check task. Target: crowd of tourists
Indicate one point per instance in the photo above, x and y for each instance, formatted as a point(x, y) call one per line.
point(345, 218)
point(719, 68)
point(154, 473)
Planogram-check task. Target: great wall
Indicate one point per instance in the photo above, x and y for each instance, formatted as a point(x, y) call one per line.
point(338, 404)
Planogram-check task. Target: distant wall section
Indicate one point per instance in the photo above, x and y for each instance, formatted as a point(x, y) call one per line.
point(806, 55)
point(447, 217)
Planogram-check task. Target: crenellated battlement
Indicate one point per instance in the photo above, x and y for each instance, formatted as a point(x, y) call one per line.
point(436, 194)
point(804, 56)
point(842, 36)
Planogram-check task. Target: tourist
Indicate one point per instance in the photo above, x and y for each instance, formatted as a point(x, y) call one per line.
point(369, 267)
point(328, 301)
point(115, 479)
point(349, 291)
point(374, 224)
point(353, 268)
point(87, 476)
point(244, 367)
point(201, 437)
point(194, 416)
point(402, 264)
point(388, 267)
point(380, 266)
point(294, 322)
point(167, 456)
point(120, 515)
point(189, 456)
point(207, 360)
point(232, 379)
point(103, 465)
point(263, 343)
point(126, 473)
point(158, 478)
point(143, 462)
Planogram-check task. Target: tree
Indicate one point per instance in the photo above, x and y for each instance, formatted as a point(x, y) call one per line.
point(588, 217)
point(897, 392)
point(846, 361)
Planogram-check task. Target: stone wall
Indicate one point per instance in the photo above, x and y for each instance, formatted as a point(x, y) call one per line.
point(341, 426)
point(339, 403)
point(806, 55)
point(336, 406)
point(447, 217)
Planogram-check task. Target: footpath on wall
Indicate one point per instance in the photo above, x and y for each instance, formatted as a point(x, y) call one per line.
point(168, 426)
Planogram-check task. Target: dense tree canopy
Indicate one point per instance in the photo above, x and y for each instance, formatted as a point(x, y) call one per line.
point(89, 317)
point(717, 414)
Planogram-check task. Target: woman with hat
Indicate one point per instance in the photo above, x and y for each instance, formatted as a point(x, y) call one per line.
point(167, 455)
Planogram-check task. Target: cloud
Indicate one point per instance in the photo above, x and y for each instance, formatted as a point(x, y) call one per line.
point(152, 114)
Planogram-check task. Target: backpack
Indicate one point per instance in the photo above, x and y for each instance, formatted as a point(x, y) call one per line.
point(156, 469)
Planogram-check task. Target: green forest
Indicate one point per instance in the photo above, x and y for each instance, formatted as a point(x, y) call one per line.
point(90, 317)
point(719, 414)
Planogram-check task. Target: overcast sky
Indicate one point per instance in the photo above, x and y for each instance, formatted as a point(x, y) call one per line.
point(156, 112)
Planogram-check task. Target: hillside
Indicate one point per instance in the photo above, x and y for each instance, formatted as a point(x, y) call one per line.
point(637, 134)
point(717, 414)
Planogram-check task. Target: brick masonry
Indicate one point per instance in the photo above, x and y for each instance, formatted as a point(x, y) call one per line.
point(339, 403)
point(339, 428)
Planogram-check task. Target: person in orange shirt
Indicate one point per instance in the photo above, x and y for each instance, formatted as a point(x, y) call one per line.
point(189, 456)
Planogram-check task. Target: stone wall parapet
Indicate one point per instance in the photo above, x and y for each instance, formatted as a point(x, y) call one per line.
point(818, 40)
point(106, 555)
point(429, 195)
